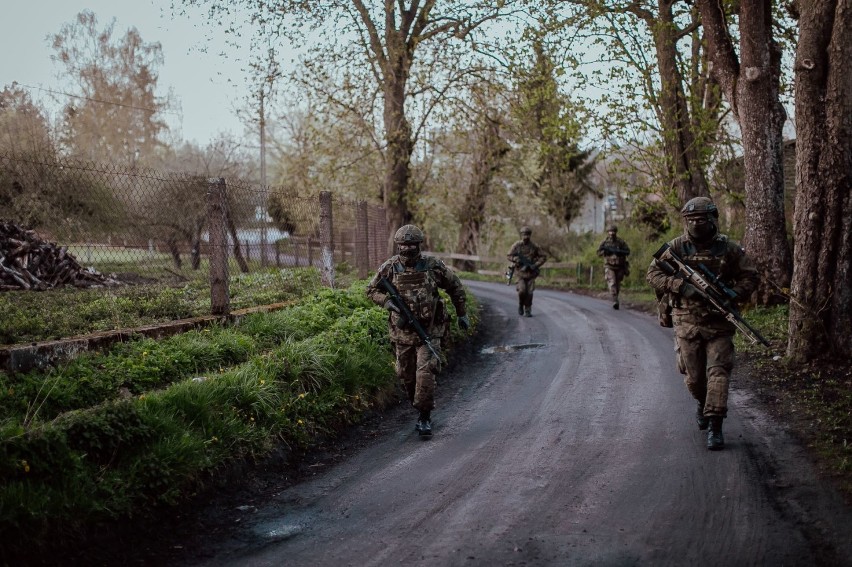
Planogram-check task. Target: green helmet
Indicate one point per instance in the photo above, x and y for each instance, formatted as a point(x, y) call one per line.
point(408, 234)
point(612, 228)
point(525, 230)
point(699, 206)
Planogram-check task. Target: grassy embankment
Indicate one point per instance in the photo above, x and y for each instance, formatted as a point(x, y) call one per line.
point(146, 423)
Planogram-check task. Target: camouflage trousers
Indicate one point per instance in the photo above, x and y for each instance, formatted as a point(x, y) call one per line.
point(525, 287)
point(706, 359)
point(416, 368)
point(613, 277)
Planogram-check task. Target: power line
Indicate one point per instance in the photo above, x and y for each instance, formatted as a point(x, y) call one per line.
point(153, 110)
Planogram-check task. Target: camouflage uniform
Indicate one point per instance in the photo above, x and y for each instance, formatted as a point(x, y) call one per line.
point(703, 337)
point(418, 279)
point(526, 270)
point(616, 266)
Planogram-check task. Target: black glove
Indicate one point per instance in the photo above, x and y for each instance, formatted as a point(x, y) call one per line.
point(391, 306)
point(688, 291)
point(464, 322)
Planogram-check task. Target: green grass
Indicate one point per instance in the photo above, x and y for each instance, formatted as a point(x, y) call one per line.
point(27, 316)
point(142, 426)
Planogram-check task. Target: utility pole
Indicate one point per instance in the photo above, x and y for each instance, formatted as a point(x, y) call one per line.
point(263, 186)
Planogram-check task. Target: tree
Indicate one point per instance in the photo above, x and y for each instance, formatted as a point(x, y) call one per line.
point(751, 84)
point(23, 125)
point(399, 50)
point(487, 147)
point(649, 65)
point(547, 133)
point(821, 289)
point(116, 115)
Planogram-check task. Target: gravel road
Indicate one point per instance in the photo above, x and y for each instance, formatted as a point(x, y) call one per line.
point(567, 438)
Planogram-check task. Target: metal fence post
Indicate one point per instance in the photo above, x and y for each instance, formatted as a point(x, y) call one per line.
point(326, 240)
point(218, 230)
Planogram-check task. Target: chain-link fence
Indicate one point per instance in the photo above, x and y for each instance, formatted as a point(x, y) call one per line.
point(135, 225)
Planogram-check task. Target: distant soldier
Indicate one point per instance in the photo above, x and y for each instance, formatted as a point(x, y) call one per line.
point(415, 279)
point(703, 336)
point(616, 267)
point(526, 258)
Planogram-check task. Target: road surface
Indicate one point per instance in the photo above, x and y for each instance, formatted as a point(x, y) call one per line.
point(567, 438)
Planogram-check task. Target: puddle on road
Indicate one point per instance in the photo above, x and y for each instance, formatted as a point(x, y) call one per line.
point(510, 348)
point(282, 532)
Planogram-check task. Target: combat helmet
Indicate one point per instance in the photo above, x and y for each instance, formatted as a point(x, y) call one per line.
point(408, 234)
point(525, 230)
point(612, 228)
point(700, 206)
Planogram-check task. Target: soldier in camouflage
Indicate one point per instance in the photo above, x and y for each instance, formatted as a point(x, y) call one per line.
point(614, 251)
point(703, 337)
point(526, 258)
point(418, 277)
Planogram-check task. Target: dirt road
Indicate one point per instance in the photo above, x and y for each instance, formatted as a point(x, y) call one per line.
point(568, 438)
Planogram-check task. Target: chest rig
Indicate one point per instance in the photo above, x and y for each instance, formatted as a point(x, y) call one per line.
point(419, 290)
point(714, 258)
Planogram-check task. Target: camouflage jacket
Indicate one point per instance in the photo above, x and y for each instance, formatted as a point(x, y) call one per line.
point(418, 286)
point(614, 259)
point(723, 257)
point(532, 255)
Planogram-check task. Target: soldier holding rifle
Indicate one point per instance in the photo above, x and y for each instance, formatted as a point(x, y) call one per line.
point(701, 275)
point(614, 251)
point(526, 260)
point(407, 286)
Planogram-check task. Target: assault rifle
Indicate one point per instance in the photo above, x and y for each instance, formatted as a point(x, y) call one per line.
point(407, 315)
point(526, 263)
point(613, 250)
point(710, 289)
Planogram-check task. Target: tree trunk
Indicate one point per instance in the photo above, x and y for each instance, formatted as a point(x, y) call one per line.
point(684, 167)
point(822, 275)
point(486, 161)
point(751, 88)
point(399, 144)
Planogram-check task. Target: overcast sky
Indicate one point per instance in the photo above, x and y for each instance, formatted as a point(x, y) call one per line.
point(198, 79)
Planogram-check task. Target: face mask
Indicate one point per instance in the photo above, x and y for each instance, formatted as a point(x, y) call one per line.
point(701, 231)
point(409, 252)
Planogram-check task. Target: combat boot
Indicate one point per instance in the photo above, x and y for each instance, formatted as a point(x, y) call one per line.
point(700, 418)
point(521, 310)
point(527, 311)
point(424, 424)
point(715, 439)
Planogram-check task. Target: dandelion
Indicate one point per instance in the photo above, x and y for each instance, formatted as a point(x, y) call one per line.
point(251, 419)
point(302, 395)
point(262, 382)
point(144, 353)
point(300, 422)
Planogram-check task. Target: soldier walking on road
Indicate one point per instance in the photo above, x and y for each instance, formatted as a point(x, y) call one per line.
point(614, 251)
point(416, 278)
point(703, 337)
point(526, 258)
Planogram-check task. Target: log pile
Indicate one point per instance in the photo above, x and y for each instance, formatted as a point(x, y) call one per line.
point(29, 263)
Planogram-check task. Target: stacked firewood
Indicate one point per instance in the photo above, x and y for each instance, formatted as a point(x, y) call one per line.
point(29, 263)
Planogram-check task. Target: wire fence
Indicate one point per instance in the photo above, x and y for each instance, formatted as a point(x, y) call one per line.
point(139, 225)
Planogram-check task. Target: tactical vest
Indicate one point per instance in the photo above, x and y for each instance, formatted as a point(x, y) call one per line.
point(418, 288)
point(715, 259)
point(615, 260)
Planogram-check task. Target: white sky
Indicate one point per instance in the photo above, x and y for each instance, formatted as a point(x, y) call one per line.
point(198, 79)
